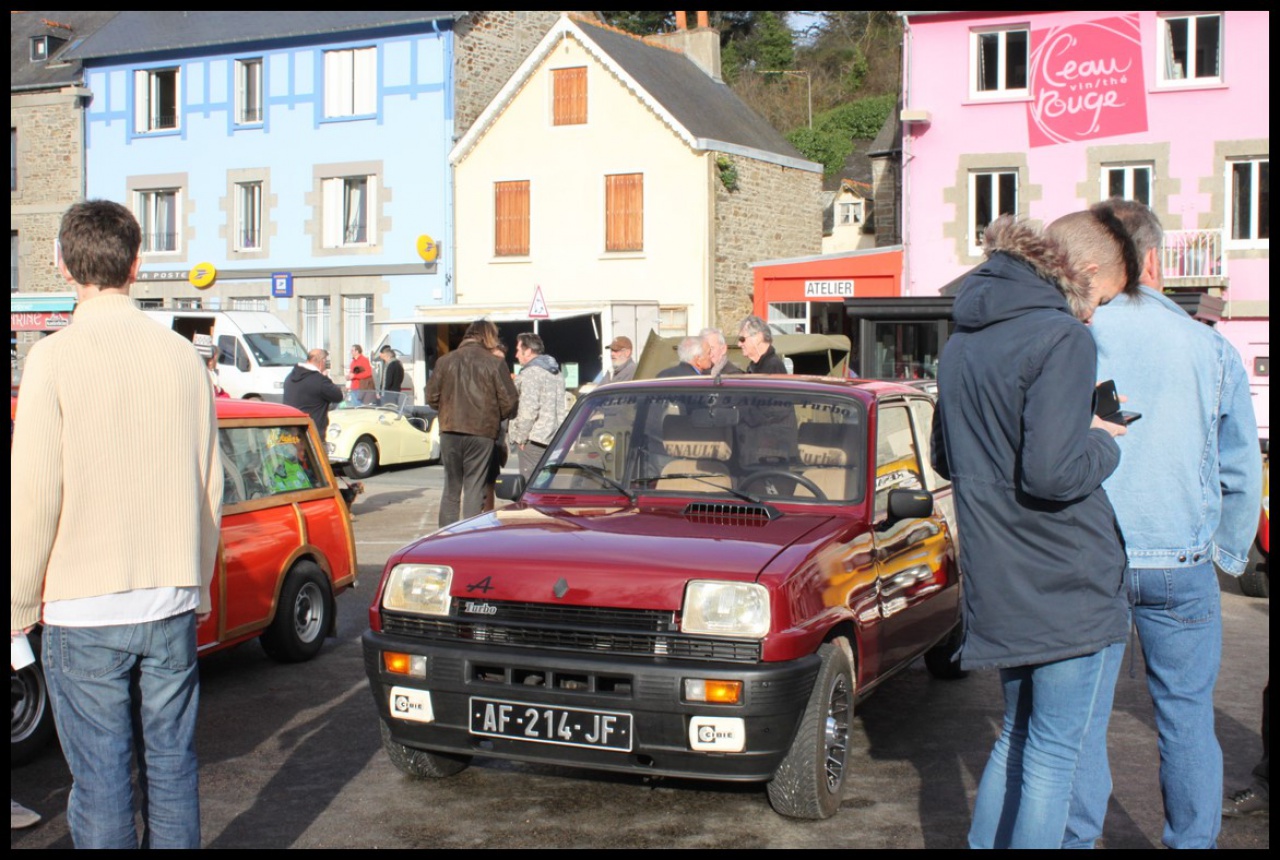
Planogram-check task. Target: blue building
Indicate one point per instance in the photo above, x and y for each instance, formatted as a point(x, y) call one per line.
point(295, 162)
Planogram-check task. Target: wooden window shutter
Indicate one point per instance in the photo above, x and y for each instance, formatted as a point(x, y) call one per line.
point(569, 96)
point(511, 219)
point(624, 212)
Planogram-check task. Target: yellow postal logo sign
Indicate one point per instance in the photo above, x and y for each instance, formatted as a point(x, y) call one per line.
point(428, 250)
point(202, 275)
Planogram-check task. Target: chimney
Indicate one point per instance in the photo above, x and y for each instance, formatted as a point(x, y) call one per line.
point(701, 45)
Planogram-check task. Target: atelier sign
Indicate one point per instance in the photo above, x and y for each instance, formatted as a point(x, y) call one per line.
point(828, 289)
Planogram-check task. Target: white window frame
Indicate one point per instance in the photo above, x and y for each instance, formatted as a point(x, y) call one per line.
point(249, 226)
point(851, 212)
point(975, 231)
point(673, 320)
point(315, 322)
point(1001, 91)
point(346, 200)
point(249, 303)
point(249, 90)
point(1129, 173)
point(783, 317)
point(1253, 240)
point(151, 217)
point(188, 304)
point(350, 82)
point(147, 102)
point(357, 323)
point(1164, 58)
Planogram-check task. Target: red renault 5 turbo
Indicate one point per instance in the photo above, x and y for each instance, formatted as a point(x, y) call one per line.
point(701, 579)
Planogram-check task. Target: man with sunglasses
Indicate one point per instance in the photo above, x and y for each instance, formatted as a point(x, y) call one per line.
point(756, 342)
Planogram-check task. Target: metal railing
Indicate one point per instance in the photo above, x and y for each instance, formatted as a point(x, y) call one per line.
point(1193, 256)
point(153, 242)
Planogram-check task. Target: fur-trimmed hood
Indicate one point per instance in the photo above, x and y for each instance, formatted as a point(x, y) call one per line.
point(1025, 270)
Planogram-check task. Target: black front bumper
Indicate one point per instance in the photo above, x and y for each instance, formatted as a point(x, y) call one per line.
point(651, 690)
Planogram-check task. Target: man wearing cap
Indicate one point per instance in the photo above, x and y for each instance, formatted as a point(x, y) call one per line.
point(624, 366)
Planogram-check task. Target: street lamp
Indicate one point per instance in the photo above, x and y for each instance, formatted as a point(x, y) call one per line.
point(808, 80)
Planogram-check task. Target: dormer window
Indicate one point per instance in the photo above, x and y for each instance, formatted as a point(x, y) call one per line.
point(42, 47)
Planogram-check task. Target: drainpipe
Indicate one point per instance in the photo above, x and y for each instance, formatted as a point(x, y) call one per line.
point(906, 156)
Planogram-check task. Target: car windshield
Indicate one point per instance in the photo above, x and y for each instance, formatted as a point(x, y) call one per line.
point(276, 348)
point(766, 445)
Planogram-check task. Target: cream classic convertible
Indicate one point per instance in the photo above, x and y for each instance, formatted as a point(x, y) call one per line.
point(363, 438)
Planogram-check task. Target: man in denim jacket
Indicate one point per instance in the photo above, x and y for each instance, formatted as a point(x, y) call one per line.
point(1187, 494)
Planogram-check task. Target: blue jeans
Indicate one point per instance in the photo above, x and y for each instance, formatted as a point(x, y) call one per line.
point(1092, 789)
point(1178, 613)
point(116, 689)
point(1025, 792)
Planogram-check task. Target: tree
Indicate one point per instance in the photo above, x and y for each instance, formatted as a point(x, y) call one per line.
point(831, 139)
point(846, 64)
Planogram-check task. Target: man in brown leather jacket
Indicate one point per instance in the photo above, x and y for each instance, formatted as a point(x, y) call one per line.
point(472, 390)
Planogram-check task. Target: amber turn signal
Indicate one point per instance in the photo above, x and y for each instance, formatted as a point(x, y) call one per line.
point(396, 663)
point(714, 692)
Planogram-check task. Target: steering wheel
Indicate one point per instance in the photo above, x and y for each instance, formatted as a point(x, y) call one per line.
point(807, 483)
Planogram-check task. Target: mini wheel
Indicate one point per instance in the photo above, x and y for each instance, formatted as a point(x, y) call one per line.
point(304, 615)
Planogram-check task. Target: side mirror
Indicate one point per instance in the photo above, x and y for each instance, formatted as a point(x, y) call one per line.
point(509, 486)
point(242, 360)
point(910, 505)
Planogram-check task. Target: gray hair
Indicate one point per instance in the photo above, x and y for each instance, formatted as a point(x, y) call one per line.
point(754, 325)
point(689, 349)
point(713, 335)
point(1138, 219)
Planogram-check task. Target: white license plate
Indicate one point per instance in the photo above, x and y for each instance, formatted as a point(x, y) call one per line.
point(548, 724)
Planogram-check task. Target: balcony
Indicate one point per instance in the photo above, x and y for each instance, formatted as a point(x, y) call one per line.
point(1193, 258)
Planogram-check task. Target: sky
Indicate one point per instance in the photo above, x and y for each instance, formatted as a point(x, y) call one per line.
point(799, 21)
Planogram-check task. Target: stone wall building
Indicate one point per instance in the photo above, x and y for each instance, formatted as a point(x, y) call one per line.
point(46, 129)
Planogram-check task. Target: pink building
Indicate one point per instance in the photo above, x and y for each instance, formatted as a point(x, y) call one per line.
point(1043, 113)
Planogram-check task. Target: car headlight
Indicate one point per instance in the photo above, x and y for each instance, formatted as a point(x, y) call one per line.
point(418, 588)
point(726, 609)
point(334, 431)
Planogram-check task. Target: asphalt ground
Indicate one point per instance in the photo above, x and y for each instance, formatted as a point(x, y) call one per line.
point(291, 757)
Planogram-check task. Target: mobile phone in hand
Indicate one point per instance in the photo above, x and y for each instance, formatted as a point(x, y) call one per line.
point(1106, 404)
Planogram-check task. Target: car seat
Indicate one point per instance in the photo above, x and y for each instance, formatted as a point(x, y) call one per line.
point(698, 450)
point(829, 454)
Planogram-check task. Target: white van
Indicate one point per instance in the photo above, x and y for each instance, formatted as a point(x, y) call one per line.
point(256, 350)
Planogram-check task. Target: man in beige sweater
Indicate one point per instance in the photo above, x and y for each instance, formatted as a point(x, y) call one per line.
point(115, 493)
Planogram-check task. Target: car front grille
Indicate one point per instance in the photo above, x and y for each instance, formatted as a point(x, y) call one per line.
point(582, 629)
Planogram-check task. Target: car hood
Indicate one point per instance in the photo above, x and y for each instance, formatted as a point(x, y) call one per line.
point(639, 557)
point(361, 415)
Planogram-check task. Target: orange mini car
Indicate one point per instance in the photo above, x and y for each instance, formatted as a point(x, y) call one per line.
point(287, 551)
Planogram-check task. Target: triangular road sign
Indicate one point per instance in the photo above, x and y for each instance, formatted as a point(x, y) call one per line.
point(538, 309)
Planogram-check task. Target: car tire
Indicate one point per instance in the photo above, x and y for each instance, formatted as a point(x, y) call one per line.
point(942, 661)
point(364, 458)
point(304, 616)
point(810, 781)
point(1255, 582)
point(30, 717)
point(420, 764)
